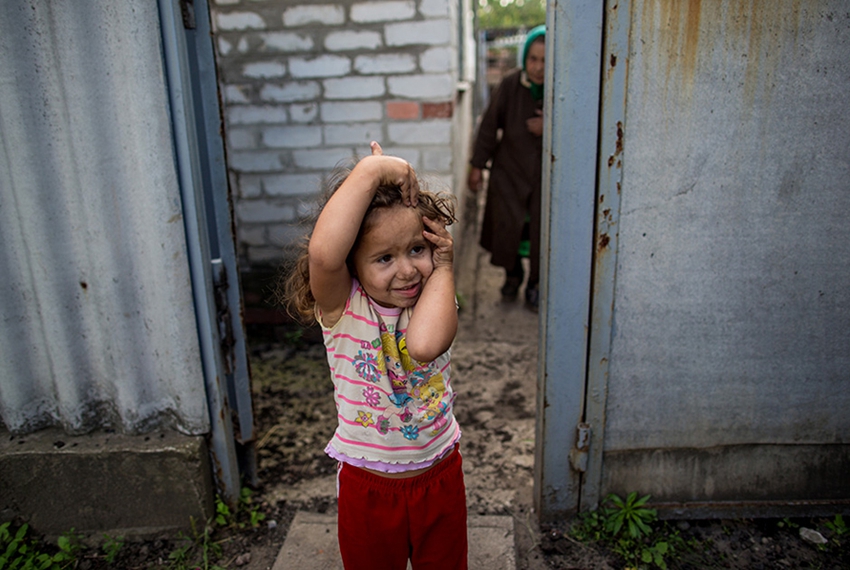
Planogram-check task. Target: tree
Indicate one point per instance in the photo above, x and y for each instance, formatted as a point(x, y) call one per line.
point(501, 14)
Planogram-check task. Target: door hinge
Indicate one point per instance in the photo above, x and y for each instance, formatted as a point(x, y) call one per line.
point(578, 454)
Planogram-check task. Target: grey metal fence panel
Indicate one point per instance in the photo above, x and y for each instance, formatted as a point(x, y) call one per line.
point(97, 326)
point(730, 352)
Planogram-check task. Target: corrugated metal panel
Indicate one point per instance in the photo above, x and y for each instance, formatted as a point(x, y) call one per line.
point(98, 327)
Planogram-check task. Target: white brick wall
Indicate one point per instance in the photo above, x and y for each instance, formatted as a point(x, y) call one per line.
point(364, 12)
point(310, 82)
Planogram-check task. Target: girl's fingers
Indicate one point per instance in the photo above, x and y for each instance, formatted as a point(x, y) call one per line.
point(400, 173)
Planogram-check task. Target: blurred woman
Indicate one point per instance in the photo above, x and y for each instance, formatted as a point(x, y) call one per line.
point(510, 139)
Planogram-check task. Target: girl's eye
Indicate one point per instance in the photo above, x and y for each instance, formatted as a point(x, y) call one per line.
point(384, 259)
point(417, 249)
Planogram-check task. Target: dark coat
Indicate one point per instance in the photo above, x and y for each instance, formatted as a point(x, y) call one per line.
point(513, 190)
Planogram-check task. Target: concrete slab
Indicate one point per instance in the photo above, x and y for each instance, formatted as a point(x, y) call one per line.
point(100, 483)
point(311, 543)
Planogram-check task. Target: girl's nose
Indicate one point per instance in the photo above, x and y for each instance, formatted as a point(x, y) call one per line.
point(406, 269)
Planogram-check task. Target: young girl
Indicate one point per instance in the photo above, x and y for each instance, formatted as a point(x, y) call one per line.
point(377, 275)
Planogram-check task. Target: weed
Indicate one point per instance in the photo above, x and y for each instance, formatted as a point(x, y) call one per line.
point(837, 526)
point(111, 547)
point(255, 517)
point(17, 551)
point(199, 545)
point(625, 526)
point(787, 523)
point(630, 513)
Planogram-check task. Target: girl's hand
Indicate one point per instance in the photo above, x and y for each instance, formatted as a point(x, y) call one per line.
point(396, 171)
point(442, 253)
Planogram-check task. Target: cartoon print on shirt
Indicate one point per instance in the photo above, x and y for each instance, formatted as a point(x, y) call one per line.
point(367, 366)
point(416, 390)
point(395, 370)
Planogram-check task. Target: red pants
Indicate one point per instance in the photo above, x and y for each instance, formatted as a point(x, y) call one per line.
point(384, 522)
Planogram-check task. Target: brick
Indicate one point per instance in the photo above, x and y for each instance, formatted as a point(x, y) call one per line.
point(442, 110)
point(385, 63)
point(254, 161)
point(428, 86)
point(241, 139)
point(409, 154)
point(224, 47)
point(261, 211)
point(284, 235)
point(252, 235)
point(354, 87)
point(348, 40)
point(402, 110)
point(286, 42)
point(236, 94)
point(299, 136)
point(325, 14)
point(351, 111)
point(420, 133)
point(321, 158)
point(290, 92)
point(434, 8)
point(264, 69)
point(263, 255)
point(303, 113)
point(249, 186)
point(427, 32)
point(437, 160)
point(235, 21)
point(256, 114)
point(438, 60)
point(360, 133)
point(291, 184)
point(322, 66)
point(366, 12)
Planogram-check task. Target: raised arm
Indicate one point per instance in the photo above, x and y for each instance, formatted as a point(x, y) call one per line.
point(339, 223)
point(433, 325)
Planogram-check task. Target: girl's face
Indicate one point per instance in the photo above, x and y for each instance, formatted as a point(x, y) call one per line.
point(393, 260)
point(535, 65)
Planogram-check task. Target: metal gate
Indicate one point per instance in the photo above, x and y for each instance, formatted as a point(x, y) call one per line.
point(697, 344)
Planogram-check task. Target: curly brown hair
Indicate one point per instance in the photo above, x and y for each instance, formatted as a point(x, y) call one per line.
point(293, 289)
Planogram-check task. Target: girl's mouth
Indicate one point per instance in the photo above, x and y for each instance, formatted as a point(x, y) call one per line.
point(409, 291)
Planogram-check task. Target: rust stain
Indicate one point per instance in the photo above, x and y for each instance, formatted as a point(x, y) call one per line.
point(604, 240)
point(619, 137)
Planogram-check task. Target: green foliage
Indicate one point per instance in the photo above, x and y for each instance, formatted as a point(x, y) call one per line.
point(18, 552)
point(111, 547)
point(837, 526)
point(245, 510)
point(192, 548)
point(626, 527)
point(503, 14)
point(630, 513)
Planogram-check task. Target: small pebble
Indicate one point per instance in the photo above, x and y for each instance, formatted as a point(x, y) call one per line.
point(272, 524)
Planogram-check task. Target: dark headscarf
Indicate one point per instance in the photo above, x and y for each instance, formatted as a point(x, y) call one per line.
point(535, 33)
